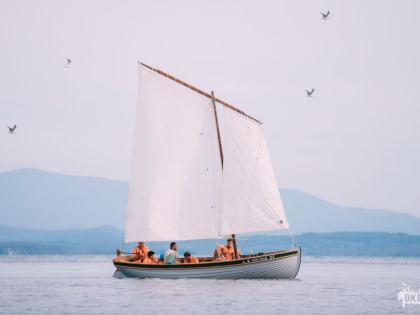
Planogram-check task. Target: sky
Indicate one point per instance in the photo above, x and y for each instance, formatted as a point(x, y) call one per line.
point(353, 143)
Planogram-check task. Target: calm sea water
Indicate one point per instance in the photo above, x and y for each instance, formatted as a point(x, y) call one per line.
point(84, 285)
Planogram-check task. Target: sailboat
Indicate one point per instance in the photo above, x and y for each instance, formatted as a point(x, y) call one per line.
point(200, 170)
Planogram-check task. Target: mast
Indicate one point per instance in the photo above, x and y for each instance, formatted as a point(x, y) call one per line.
point(235, 248)
point(199, 91)
point(217, 127)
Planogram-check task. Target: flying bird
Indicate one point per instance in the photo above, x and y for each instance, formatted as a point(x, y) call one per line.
point(325, 15)
point(67, 65)
point(12, 129)
point(309, 93)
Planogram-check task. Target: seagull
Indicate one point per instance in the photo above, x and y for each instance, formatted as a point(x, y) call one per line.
point(325, 15)
point(309, 93)
point(12, 130)
point(67, 65)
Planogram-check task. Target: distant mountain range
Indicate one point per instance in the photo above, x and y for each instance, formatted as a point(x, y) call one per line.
point(307, 213)
point(35, 199)
point(104, 240)
point(99, 240)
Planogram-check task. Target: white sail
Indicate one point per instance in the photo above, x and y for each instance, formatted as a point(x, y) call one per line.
point(251, 199)
point(176, 167)
point(187, 184)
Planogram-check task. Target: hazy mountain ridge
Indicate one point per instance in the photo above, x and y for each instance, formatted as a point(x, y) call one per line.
point(101, 233)
point(307, 213)
point(36, 199)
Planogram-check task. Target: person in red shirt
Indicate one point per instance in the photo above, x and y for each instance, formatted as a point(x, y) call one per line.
point(188, 259)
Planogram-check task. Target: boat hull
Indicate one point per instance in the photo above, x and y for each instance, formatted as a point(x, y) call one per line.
point(275, 265)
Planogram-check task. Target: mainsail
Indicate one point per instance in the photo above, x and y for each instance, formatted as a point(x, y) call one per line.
point(175, 170)
point(179, 189)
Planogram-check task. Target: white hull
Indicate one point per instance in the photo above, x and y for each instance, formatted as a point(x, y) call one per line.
point(276, 265)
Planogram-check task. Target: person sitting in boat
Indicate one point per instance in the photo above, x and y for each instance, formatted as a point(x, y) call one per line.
point(139, 252)
point(189, 259)
point(161, 258)
point(150, 259)
point(171, 255)
point(225, 252)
